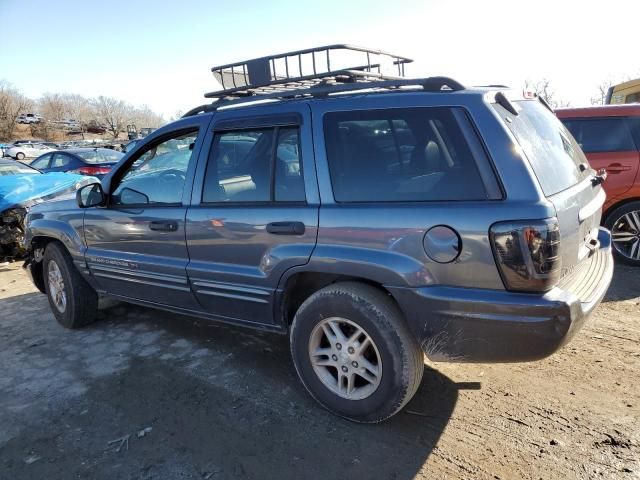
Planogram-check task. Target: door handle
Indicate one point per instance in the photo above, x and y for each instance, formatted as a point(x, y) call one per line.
point(617, 168)
point(286, 228)
point(164, 225)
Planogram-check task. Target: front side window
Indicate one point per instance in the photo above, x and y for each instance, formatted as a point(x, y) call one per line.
point(396, 155)
point(257, 165)
point(601, 134)
point(157, 176)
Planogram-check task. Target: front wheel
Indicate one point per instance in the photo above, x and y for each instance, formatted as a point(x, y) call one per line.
point(20, 156)
point(354, 353)
point(73, 302)
point(624, 223)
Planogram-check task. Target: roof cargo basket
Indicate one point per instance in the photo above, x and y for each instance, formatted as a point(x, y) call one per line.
point(321, 66)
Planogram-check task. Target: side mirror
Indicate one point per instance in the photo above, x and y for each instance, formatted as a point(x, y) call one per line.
point(91, 195)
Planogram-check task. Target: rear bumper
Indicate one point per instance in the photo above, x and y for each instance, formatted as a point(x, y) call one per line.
point(475, 325)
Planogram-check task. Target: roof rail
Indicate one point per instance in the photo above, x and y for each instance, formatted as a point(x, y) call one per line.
point(430, 84)
point(307, 68)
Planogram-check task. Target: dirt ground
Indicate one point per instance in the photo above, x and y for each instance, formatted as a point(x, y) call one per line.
point(146, 394)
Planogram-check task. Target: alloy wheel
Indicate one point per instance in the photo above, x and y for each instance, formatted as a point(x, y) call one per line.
point(56, 286)
point(345, 358)
point(626, 235)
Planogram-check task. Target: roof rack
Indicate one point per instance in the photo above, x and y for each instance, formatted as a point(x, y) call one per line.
point(275, 78)
point(305, 69)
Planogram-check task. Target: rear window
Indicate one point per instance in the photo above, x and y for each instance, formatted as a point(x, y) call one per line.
point(414, 154)
point(100, 156)
point(554, 155)
point(596, 135)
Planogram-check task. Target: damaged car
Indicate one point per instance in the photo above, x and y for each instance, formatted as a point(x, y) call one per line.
point(371, 219)
point(21, 187)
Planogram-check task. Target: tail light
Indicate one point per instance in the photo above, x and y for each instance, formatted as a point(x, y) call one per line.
point(91, 170)
point(527, 254)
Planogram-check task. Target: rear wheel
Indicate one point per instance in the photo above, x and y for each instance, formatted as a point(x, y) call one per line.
point(20, 156)
point(624, 223)
point(354, 353)
point(73, 302)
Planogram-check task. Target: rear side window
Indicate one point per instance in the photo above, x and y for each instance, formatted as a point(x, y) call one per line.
point(595, 135)
point(60, 160)
point(554, 155)
point(259, 165)
point(415, 154)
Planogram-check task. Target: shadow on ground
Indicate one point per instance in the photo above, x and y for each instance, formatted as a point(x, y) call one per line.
point(240, 414)
point(625, 284)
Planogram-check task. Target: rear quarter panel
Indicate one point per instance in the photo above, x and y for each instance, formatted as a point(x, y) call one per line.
point(384, 241)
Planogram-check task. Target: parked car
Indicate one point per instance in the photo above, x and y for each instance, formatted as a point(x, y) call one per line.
point(626, 92)
point(27, 150)
point(84, 161)
point(29, 118)
point(21, 187)
point(610, 138)
point(22, 142)
point(95, 127)
point(371, 227)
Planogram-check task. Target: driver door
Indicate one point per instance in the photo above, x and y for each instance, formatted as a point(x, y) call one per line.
point(136, 244)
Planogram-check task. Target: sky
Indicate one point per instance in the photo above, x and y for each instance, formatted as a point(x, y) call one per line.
point(160, 53)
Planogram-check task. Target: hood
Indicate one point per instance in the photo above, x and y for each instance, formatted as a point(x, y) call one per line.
point(29, 189)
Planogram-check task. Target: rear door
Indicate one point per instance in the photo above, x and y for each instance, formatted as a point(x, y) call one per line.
point(60, 162)
point(136, 245)
point(254, 211)
point(608, 143)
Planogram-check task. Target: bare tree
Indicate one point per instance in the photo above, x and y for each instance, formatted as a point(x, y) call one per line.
point(111, 112)
point(603, 89)
point(543, 89)
point(12, 104)
point(177, 115)
point(79, 109)
point(143, 116)
point(53, 107)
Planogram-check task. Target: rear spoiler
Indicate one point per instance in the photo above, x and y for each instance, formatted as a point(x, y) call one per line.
point(504, 102)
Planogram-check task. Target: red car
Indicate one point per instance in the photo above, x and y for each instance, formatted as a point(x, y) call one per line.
point(610, 138)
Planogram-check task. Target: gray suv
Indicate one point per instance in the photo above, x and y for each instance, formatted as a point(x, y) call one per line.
point(371, 218)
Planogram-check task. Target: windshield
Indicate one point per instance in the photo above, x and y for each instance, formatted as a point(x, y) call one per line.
point(15, 169)
point(554, 155)
point(100, 156)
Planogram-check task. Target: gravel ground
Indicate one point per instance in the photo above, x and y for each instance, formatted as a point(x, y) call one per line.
point(147, 394)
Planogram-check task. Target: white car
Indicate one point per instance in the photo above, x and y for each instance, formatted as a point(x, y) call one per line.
point(29, 118)
point(31, 150)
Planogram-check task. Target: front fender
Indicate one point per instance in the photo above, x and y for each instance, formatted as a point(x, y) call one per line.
point(68, 231)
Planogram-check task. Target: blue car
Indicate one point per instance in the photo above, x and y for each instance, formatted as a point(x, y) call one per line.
point(22, 187)
point(96, 162)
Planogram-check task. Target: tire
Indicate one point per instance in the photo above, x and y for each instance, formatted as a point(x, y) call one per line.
point(624, 223)
point(80, 304)
point(393, 351)
point(19, 156)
